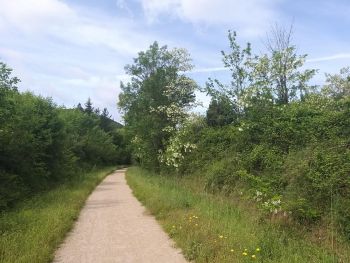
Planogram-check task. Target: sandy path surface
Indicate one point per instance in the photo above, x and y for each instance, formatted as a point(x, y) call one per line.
point(114, 227)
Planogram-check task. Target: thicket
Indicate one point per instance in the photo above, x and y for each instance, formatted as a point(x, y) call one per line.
point(42, 144)
point(292, 160)
point(268, 134)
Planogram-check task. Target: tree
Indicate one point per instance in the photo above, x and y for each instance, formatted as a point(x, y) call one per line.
point(105, 120)
point(156, 99)
point(88, 107)
point(79, 107)
point(275, 75)
point(221, 112)
point(281, 67)
point(237, 60)
point(6, 81)
point(338, 85)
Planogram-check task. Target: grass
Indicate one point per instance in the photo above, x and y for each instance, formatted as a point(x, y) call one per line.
point(210, 228)
point(32, 230)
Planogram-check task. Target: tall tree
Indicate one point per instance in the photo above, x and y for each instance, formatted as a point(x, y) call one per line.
point(276, 75)
point(79, 107)
point(105, 120)
point(155, 101)
point(281, 66)
point(237, 61)
point(88, 107)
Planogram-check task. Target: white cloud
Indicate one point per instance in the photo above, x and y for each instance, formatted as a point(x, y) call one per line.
point(252, 17)
point(209, 69)
point(329, 58)
point(68, 52)
point(55, 18)
point(34, 15)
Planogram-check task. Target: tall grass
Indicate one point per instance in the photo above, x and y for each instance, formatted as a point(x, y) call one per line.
point(32, 231)
point(210, 228)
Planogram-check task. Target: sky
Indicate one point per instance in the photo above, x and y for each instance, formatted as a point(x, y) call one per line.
point(74, 49)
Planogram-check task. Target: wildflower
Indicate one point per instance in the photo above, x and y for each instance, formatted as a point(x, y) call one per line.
point(245, 250)
point(245, 254)
point(196, 224)
point(258, 249)
point(253, 257)
point(221, 236)
point(232, 250)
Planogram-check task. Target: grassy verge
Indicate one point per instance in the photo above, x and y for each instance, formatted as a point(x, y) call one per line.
point(210, 228)
point(32, 231)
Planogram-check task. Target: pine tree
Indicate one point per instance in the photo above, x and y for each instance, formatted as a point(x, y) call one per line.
point(88, 107)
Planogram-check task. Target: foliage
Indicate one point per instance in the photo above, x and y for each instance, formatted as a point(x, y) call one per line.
point(178, 147)
point(238, 61)
point(338, 85)
point(7, 82)
point(156, 100)
point(273, 77)
point(43, 144)
point(281, 68)
point(221, 112)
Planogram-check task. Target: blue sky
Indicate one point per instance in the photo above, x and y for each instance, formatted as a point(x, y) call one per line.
point(74, 49)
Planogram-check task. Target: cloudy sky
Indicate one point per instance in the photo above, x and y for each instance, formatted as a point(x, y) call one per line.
point(74, 49)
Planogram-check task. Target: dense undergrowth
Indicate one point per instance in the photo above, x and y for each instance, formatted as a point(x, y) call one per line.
point(292, 160)
point(220, 228)
point(32, 230)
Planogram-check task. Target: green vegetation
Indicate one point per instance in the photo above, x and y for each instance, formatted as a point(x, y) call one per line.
point(33, 229)
point(155, 100)
point(218, 228)
point(269, 139)
point(43, 145)
point(267, 167)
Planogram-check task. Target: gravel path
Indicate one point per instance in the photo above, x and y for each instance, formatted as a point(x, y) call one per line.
point(114, 227)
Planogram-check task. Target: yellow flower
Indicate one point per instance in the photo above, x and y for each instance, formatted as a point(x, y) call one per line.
point(253, 257)
point(196, 224)
point(245, 250)
point(232, 250)
point(245, 254)
point(258, 249)
point(173, 226)
point(221, 236)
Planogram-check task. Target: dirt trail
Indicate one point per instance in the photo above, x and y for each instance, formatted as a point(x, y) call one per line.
point(114, 227)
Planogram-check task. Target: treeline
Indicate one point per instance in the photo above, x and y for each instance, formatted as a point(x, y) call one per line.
point(42, 144)
point(268, 135)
